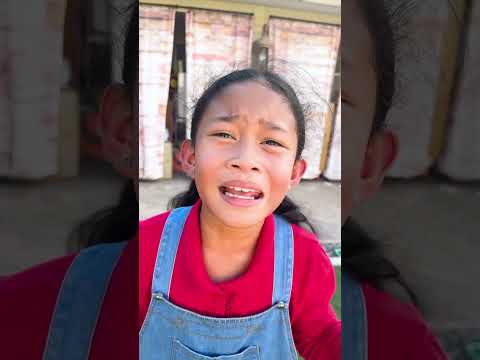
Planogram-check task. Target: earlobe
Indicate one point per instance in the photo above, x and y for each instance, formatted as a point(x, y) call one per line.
point(187, 157)
point(379, 158)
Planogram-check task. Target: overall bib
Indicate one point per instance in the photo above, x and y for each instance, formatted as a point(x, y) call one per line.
point(354, 320)
point(79, 302)
point(170, 332)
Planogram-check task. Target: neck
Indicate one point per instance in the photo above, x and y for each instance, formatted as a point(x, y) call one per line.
point(220, 238)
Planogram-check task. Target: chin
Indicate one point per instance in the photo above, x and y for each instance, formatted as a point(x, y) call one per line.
point(239, 217)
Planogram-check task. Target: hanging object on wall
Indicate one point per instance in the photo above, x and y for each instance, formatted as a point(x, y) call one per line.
point(460, 159)
point(420, 77)
point(216, 44)
point(155, 61)
point(305, 53)
point(29, 119)
point(260, 50)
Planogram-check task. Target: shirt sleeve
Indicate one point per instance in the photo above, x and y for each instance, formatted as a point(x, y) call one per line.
point(27, 300)
point(316, 329)
point(411, 335)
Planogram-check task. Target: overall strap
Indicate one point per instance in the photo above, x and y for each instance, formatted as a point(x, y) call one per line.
point(79, 302)
point(167, 251)
point(283, 262)
point(354, 324)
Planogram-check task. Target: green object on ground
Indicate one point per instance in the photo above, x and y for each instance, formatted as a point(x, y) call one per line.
point(473, 350)
point(337, 297)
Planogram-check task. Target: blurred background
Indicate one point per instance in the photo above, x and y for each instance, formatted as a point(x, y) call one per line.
point(427, 215)
point(56, 57)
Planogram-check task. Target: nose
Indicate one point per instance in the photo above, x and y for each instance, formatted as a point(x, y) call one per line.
point(244, 157)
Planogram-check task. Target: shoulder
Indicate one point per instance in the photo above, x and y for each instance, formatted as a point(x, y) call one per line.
point(384, 307)
point(151, 229)
point(41, 280)
point(27, 300)
point(313, 271)
point(410, 334)
point(308, 251)
point(154, 222)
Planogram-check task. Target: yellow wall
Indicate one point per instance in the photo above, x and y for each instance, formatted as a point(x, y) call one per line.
point(447, 77)
point(261, 13)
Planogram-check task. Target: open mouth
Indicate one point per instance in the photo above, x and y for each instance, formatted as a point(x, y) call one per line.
point(242, 193)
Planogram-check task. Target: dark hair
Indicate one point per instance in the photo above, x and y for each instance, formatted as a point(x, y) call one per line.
point(361, 256)
point(288, 209)
point(379, 25)
point(120, 222)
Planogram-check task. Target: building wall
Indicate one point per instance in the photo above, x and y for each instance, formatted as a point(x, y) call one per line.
point(261, 12)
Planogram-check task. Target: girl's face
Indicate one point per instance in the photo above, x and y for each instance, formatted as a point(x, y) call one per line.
point(244, 162)
point(365, 158)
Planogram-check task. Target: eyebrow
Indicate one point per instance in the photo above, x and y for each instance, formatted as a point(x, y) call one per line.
point(269, 124)
point(226, 118)
point(273, 126)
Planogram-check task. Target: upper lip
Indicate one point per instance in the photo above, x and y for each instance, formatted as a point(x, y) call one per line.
point(248, 185)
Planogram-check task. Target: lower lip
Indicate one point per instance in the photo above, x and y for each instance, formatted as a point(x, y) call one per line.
point(239, 202)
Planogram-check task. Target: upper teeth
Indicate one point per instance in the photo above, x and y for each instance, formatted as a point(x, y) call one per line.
point(236, 188)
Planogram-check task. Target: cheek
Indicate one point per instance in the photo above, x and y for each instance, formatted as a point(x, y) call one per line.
point(208, 154)
point(354, 143)
point(279, 171)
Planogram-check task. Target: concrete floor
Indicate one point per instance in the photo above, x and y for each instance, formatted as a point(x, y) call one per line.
point(319, 200)
point(430, 229)
point(36, 218)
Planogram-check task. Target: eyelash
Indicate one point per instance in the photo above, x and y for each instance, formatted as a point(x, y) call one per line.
point(275, 143)
point(228, 136)
point(221, 134)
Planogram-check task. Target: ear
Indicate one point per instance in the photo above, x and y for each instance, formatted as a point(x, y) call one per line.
point(187, 157)
point(299, 168)
point(381, 153)
point(116, 127)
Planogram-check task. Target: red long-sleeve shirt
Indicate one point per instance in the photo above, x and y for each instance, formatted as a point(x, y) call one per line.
point(27, 299)
point(396, 331)
point(315, 329)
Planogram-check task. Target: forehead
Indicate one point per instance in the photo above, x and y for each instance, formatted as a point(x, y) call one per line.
point(253, 100)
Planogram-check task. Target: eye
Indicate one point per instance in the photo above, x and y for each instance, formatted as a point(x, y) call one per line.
point(223, 135)
point(272, 143)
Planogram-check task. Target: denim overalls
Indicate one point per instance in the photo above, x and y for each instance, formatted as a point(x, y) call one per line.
point(79, 302)
point(354, 320)
point(170, 332)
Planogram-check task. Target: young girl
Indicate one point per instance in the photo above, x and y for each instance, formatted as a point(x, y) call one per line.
point(375, 325)
point(229, 273)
